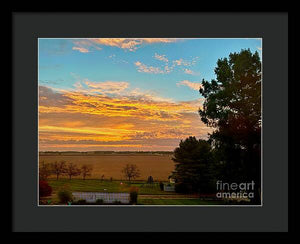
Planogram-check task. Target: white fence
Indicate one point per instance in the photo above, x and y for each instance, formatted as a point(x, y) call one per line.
point(169, 188)
point(106, 197)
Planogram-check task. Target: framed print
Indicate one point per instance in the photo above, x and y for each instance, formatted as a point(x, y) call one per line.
point(128, 117)
point(138, 133)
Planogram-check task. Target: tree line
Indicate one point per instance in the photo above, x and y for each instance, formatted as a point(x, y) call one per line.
point(62, 168)
point(130, 171)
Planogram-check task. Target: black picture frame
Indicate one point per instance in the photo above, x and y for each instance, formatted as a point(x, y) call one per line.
point(32, 20)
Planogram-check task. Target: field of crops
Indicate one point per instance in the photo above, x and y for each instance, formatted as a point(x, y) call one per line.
point(159, 166)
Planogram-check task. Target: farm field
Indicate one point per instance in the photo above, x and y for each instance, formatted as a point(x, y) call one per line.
point(159, 166)
point(109, 164)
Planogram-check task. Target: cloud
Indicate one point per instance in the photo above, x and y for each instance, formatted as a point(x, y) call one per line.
point(147, 96)
point(150, 69)
point(114, 119)
point(184, 62)
point(85, 45)
point(192, 85)
point(161, 57)
point(106, 87)
point(168, 66)
point(50, 98)
point(130, 44)
point(81, 49)
point(189, 72)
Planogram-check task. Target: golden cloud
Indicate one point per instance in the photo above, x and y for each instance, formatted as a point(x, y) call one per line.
point(106, 87)
point(90, 120)
point(81, 49)
point(130, 44)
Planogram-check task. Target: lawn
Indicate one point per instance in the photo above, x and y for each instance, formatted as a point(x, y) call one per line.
point(95, 185)
point(149, 194)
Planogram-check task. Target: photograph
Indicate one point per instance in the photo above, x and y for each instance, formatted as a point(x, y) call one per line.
point(140, 122)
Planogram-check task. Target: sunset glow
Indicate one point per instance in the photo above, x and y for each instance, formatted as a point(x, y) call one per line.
point(124, 94)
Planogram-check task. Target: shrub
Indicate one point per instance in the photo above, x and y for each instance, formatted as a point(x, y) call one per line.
point(44, 189)
point(150, 180)
point(117, 202)
point(161, 186)
point(99, 201)
point(64, 196)
point(183, 188)
point(133, 195)
point(80, 202)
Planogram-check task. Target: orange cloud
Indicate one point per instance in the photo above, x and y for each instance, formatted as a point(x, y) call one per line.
point(91, 120)
point(81, 49)
point(107, 87)
point(130, 44)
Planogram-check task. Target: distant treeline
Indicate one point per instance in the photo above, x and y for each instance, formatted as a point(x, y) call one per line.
point(106, 153)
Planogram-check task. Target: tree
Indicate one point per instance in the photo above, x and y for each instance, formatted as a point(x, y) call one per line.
point(44, 170)
point(72, 170)
point(86, 170)
point(58, 168)
point(102, 177)
point(131, 171)
point(233, 107)
point(193, 166)
point(150, 180)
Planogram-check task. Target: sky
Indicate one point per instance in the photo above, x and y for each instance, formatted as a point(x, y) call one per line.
point(118, 94)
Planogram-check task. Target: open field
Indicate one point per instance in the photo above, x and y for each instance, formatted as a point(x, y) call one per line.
point(94, 185)
point(110, 164)
point(159, 166)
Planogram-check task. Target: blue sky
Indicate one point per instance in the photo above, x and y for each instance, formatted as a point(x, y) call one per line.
point(125, 94)
point(62, 66)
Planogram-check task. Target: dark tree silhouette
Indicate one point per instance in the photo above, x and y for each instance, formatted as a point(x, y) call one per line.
point(72, 170)
point(150, 180)
point(58, 168)
point(233, 107)
point(86, 170)
point(193, 166)
point(131, 171)
point(44, 170)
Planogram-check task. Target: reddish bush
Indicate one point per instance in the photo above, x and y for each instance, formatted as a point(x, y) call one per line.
point(44, 189)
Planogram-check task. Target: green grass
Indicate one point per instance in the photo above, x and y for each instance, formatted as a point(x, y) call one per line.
point(95, 185)
point(177, 202)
